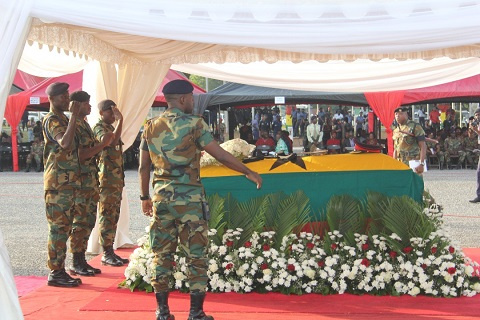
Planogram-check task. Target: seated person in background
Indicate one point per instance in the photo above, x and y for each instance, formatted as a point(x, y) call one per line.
point(333, 144)
point(36, 153)
point(371, 140)
point(250, 139)
point(314, 135)
point(288, 141)
point(282, 144)
point(245, 130)
point(265, 143)
point(348, 143)
point(454, 147)
point(434, 149)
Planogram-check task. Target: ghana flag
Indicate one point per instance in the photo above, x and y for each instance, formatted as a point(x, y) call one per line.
point(320, 177)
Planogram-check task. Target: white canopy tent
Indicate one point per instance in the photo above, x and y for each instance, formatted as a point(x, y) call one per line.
point(135, 42)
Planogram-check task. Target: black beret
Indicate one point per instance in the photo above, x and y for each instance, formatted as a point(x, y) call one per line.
point(80, 96)
point(105, 105)
point(401, 109)
point(178, 87)
point(57, 88)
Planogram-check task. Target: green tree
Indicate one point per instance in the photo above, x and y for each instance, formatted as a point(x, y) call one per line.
point(201, 82)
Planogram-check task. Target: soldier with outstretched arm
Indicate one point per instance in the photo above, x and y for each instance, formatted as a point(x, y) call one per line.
point(173, 142)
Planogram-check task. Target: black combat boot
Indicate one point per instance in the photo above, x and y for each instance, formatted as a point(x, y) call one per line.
point(89, 267)
point(196, 307)
point(79, 265)
point(163, 312)
point(59, 278)
point(39, 167)
point(28, 168)
point(124, 261)
point(109, 258)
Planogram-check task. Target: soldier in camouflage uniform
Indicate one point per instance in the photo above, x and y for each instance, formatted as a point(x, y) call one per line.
point(474, 130)
point(35, 153)
point(409, 140)
point(454, 147)
point(434, 148)
point(172, 143)
point(61, 180)
point(84, 222)
point(470, 143)
point(111, 177)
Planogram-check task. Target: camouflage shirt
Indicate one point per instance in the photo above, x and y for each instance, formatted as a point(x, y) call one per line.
point(62, 168)
point(37, 148)
point(110, 161)
point(406, 138)
point(88, 168)
point(175, 140)
point(471, 143)
point(453, 144)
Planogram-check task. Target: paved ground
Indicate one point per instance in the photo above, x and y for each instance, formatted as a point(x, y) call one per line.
point(24, 227)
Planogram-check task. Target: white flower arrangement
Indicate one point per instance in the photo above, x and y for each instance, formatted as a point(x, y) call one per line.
point(306, 264)
point(239, 148)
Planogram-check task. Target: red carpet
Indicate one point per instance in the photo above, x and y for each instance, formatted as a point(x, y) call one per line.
point(28, 284)
point(98, 298)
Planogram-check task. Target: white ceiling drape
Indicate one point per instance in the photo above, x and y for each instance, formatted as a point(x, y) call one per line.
point(341, 76)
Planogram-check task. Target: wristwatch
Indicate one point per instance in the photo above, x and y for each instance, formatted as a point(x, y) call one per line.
point(422, 163)
point(147, 197)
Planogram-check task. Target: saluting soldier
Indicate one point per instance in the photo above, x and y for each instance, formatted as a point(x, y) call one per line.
point(409, 140)
point(111, 176)
point(61, 179)
point(173, 142)
point(35, 153)
point(84, 222)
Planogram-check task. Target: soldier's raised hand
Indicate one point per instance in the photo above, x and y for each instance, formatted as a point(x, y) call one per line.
point(117, 114)
point(74, 108)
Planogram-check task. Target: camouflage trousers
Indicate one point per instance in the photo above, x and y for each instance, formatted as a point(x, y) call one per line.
point(181, 225)
point(472, 157)
point(83, 220)
point(61, 207)
point(108, 215)
point(35, 156)
point(461, 157)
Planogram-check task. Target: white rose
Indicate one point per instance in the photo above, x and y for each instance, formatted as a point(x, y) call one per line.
point(267, 271)
point(213, 267)
point(179, 275)
point(310, 273)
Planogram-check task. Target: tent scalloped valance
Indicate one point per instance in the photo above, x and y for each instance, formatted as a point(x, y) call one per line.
point(130, 49)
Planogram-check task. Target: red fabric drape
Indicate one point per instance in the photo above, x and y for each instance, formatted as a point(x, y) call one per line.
point(384, 104)
point(16, 105)
point(371, 120)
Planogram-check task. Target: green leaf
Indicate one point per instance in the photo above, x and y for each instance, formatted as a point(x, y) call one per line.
point(345, 214)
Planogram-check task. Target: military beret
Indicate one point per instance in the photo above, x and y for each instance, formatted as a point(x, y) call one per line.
point(477, 111)
point(401, 109)
point(57, 88)
point(105, 105)
point(178, 87)
point(80, 96)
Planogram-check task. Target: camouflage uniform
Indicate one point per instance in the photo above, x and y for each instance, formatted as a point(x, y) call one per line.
point(438, 152)
point(61, 184)
point(454, 146)
point(36, 153)
point(470, 145)
point(84, 221)
point(406, 138)
point(174, 141)
point(111, 177)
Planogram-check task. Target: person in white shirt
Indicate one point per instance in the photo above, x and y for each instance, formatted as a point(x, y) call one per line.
point(421, 117)
point(314, 134)
point(338, 115)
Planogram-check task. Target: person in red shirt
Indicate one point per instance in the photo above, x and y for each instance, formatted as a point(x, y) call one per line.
point(333, 144)
point(435, 119)
point(265, 143)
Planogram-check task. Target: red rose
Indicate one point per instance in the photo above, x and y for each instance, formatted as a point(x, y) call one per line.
point(266, 247)
point(365, 246)
point(310, 245)
point(452, 270)
point(229, 266)
point(424, 266)
point(321, 263)
point(334, 246)
point(451, 249)
point(229, 243)
point(291, 267)
point(407, 250)
point(264, 266)
point(248, 244)
point(434, 250)
point(290, 248)
point(393, 254)
point(174, 264)
point(365, 262)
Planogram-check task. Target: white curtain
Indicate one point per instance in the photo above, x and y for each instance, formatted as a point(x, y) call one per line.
point(341, 76)
point(9, 305)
